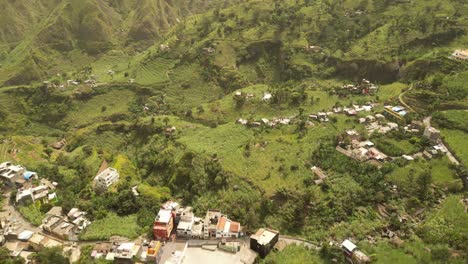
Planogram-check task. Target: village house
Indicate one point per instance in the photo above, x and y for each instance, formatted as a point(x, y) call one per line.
point(227, 228)
point(267, 96)
point(337, 110)
point(350, 111)
point(105, 179)
point(379, 117)
point(186, 221)
point(217, 225)
point(407, 157)
point(397, 112)
point(242, 121)
point(313, 48)
point(41, 241)
point(164, 47)
point(210, 223)
point(320, 174)
point(163, 224)
point(43, 193)
point(432, 134)
point(153, 252)
point(11, 174)
point(101, 249)
point(126, 252)
point(460, 55)
point(365, 87)
point(352, 134)
point(263, 241)
point(64, 227)
point(370, 118)
point(352, 254)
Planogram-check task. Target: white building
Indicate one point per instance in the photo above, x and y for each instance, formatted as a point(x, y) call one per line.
point(227, 228)
point(186, 222)
point(11, 173)
point(105, 179)
point(460, 55)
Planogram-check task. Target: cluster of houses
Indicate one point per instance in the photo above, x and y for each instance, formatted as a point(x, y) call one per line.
point(128, 252)
point(274, 122)
point(321, 116)
point(354, 109)
point(15, 175)
point(29, 188)
point(360, 150)
point(65, 227)
point(249, 96)
point(32, 192)
point(377, 124)
point(365, 87)
point(23, 244)
point(174, 220)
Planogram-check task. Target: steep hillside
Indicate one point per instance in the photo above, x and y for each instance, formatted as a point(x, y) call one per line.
point(19, 17)
point(278, 41)
point(41, 34)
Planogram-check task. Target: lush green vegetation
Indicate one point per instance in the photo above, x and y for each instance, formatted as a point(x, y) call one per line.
point(32, 213)
point(112, 225)
point(208, 161)
point(294, 255)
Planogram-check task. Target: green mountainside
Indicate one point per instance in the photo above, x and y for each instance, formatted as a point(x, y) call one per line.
point(161, 90)
point(44, 37)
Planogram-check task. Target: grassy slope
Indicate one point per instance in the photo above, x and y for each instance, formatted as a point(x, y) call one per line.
point(112, 225)
point(116, 101)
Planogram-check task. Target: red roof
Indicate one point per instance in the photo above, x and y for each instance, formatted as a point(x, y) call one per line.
point(235, 227)
point(221, 223)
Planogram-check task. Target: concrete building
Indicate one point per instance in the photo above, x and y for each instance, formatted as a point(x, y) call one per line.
point(263, 241)
point(352, 254)
point(101, 249)
point(126, 253)
point(41, 241)
point(163, 224)
point(185, 222)
point(105, 179)
point(211, 222)
point(64, 227)
point(460, 55)
point(432, 134)
point(42, 193)
point(10, 173)
point(227, 228)
point(153, 252)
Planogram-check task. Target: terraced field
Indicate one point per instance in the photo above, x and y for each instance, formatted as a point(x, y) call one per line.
point(153, 72)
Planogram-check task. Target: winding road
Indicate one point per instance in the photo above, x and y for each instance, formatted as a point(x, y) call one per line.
point(18, 222)
point(400, 98)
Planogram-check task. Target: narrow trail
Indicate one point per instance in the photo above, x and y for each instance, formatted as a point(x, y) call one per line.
point(400, 98)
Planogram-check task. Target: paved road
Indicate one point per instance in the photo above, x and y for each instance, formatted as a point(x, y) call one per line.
point(19, 223)
point(400, 97)
point(298, 241)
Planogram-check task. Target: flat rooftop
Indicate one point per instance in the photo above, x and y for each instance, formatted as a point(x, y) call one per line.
point(264, 236)
point(198, 255)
